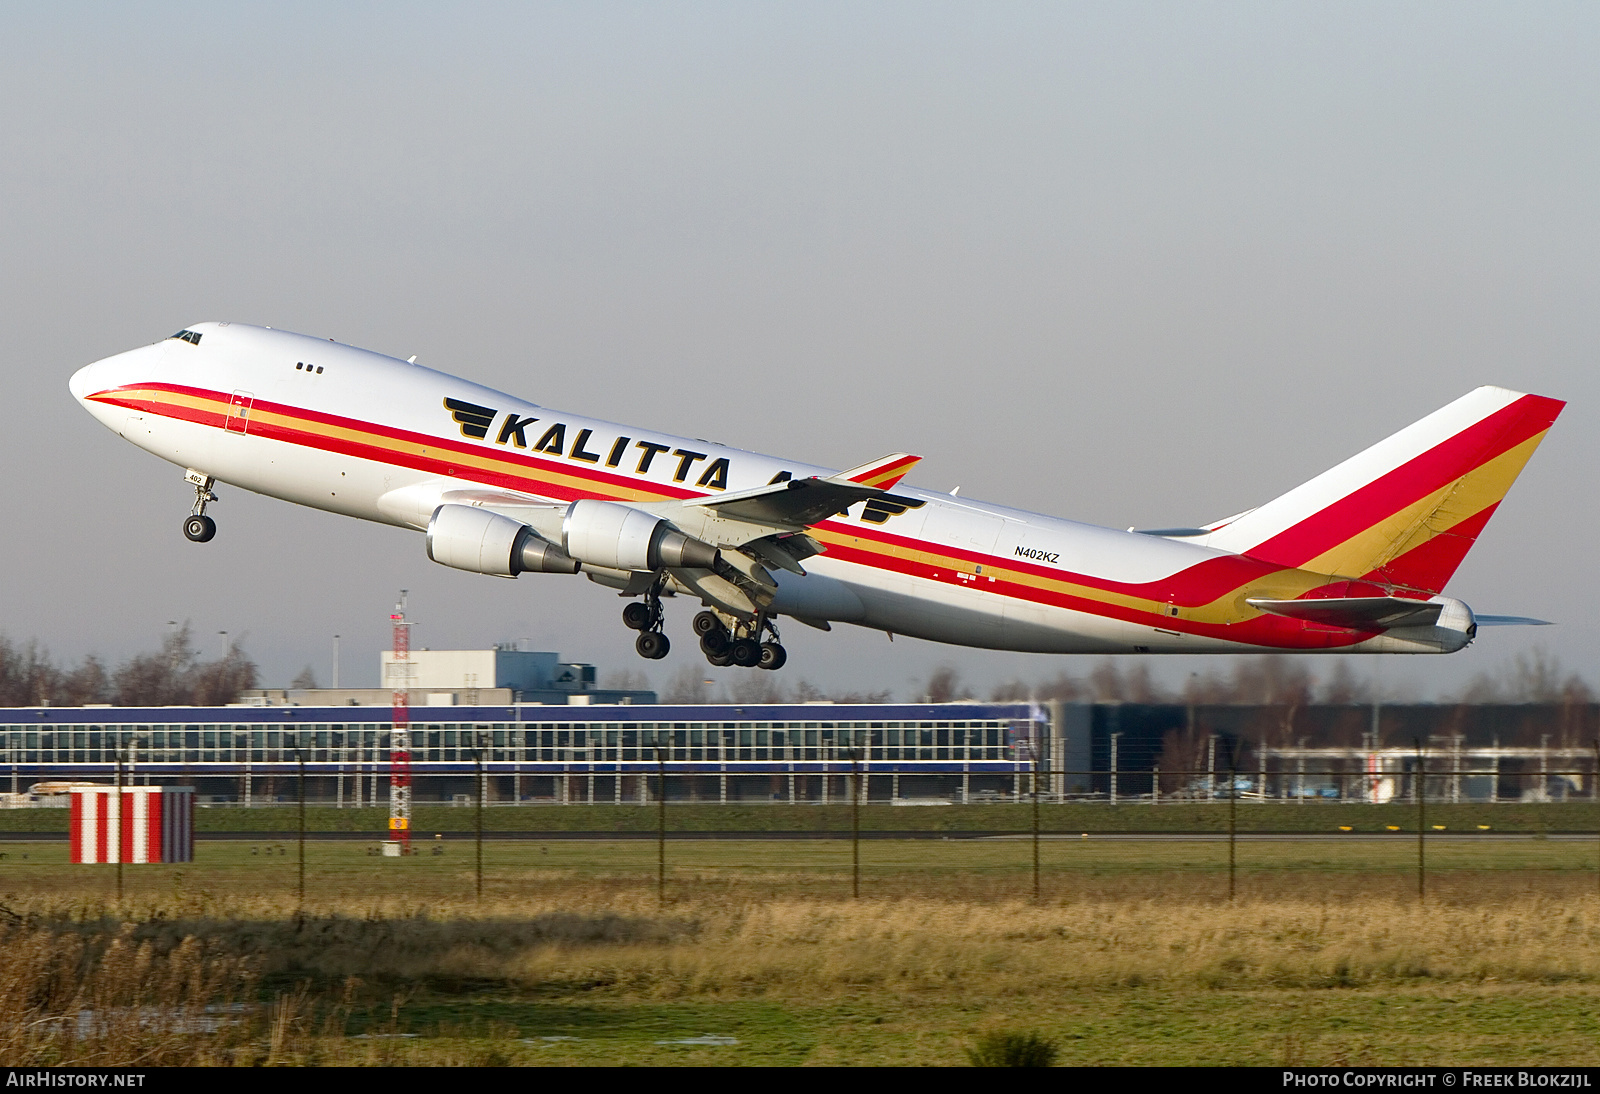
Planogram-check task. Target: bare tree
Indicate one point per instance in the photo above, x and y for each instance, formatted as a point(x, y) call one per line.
point(174, 676)
point(306, 681)
point(944, 685)
point(688, 686)
point(1062, 686)
point(1271, 680)
point(757, 687)
point(1109, 684)
point(88, 683)
point(217, 683)
point(1344, 687)
point(1533, 677)
point(1182, 754)
point(625, 680)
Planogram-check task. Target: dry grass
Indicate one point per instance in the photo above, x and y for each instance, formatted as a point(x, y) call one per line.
point(737, 944)
point(161, 978)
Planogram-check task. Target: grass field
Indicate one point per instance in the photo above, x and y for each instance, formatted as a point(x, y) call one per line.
point(1134, 955)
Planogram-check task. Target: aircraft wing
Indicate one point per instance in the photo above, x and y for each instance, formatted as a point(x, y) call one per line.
point(800, 503)
point(1355, 612)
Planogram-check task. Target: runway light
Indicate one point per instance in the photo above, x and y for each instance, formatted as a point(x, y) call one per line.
point(1392, 827)
point(1438, 828)
point(1345, 828)
point(1483, 827)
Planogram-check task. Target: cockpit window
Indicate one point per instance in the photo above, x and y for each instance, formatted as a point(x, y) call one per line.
point(192, 337)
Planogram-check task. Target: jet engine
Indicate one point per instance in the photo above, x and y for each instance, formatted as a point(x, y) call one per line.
point(620, 537)
point(470, 538)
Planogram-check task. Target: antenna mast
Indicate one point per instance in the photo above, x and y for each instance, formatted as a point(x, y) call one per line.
point(400, 732)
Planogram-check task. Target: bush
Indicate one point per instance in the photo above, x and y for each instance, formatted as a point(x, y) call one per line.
point(1013, 1050)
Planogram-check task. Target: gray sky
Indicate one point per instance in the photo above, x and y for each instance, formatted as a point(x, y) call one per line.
point(1132, 264)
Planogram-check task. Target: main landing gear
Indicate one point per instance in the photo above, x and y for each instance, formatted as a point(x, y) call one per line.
point(741, 646)
point(738, 643)
point(198, 527)
point(645, 616)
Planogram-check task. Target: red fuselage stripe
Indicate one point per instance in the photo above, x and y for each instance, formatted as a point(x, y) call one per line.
point(1197, 585)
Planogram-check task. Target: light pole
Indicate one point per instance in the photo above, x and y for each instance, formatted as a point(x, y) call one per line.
point(335, 661)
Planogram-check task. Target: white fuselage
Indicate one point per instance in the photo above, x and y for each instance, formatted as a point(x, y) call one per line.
point(365, 435)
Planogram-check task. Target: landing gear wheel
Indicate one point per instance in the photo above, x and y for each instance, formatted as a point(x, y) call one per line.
point(745, 652)
point(652, 645)
point(707, 622)
point(714, 642)
point(772, 656)
point(638, 616)
point(199, 528)
point(720, 660)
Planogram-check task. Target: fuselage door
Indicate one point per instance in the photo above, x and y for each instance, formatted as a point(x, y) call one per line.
point(239, 411)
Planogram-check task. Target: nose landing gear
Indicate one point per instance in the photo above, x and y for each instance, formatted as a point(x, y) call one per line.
point(197, 527)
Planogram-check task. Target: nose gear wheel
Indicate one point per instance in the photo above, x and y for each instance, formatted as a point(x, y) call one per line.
point(197, 527)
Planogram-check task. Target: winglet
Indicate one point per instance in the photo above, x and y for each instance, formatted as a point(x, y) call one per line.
point(883, 473)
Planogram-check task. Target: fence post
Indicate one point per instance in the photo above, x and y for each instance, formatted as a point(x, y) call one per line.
point(1114, 737)
point(855, 826)
point(1035, 782)
point(1422, 822)
point(661, 828)
point(1233, 825)
point(479, 795)
point(118, 825)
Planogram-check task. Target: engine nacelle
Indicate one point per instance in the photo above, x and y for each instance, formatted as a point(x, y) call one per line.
point(620, 537)
point(470, 538)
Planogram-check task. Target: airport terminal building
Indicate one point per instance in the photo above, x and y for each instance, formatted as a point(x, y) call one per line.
point(544, 733)
point(538, 753)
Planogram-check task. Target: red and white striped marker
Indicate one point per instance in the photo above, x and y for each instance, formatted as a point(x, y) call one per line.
point(154, 824)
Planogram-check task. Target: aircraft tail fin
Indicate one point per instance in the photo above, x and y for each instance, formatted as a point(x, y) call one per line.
point(1404, 513)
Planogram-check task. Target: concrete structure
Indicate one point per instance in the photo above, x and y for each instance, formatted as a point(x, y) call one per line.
point(493, 677)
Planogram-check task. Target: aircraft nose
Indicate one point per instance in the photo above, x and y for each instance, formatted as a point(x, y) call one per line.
point(82, 383)
point(132, 366)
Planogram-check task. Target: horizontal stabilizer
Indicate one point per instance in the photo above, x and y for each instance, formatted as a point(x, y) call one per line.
point(1356, 612)
point(1509, 621)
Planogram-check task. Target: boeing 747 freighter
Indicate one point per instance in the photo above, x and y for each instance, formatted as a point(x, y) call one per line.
point(1354, 561)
